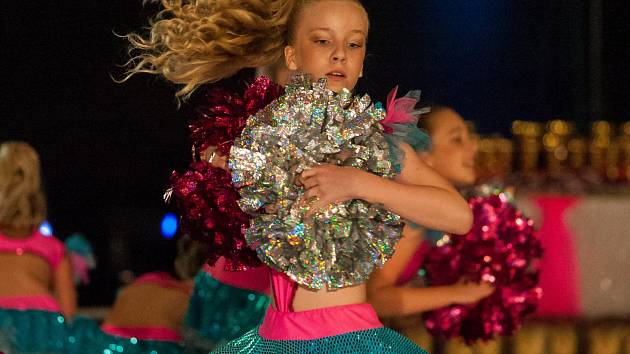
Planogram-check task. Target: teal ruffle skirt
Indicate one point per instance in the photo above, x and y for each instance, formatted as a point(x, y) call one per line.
point(33, 332)
point(218, 313)
point(88, 338)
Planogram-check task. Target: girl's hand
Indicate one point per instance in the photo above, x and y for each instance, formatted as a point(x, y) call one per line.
point(211, 156)
point(327, 184)
point(467, 292)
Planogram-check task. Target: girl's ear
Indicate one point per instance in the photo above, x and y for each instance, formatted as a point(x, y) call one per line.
point(290, 58)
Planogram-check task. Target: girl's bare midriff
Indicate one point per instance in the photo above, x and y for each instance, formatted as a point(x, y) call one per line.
point(24, 275)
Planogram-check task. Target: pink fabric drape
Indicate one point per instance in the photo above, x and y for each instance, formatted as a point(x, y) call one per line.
point(559, 273)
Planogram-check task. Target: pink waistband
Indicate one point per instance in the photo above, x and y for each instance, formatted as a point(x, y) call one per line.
point(318, 323)
point(143, 333)
point(35, 302)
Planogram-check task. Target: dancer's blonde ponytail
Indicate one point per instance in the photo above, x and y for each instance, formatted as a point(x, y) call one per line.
point(195, 42)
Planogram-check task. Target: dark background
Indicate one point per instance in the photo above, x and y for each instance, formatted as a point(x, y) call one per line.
point(108, 148)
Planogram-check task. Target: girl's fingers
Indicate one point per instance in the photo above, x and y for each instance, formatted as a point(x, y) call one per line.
point(309, 183)
point(309, 173)
point(314, 192)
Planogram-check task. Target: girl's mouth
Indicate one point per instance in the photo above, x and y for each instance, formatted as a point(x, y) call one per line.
point(335, 75)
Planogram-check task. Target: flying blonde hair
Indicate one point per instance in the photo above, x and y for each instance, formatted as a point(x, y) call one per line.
point(22, 200)
point(194, 42)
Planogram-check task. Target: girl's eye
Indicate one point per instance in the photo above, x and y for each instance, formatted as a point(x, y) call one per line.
point(322, 41)
point(354, 45)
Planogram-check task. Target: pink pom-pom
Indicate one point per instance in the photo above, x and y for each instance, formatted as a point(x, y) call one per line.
point(204, 194)
point(502, 248)
point(222, 115)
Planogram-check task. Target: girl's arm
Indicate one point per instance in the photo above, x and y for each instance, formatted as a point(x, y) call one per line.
point(64, 289)
point(390, 299)
point(418, 194)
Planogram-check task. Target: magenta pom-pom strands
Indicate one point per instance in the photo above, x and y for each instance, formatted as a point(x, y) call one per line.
point(502, 248)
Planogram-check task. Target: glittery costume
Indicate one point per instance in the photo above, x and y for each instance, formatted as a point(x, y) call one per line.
point(501, 248)
point(89, 338)
point(307, 126)
point(33, 324)
point(222, 309)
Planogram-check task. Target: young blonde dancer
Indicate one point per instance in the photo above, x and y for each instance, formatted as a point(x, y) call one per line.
point(37, 293)
point(325, 39)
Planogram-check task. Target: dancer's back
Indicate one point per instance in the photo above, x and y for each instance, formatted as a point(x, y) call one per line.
point(154, 300)
point(25, 273)
point(36, 285)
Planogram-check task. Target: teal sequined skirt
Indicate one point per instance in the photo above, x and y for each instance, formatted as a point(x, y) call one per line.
point(88, 338)
point(373, 341)
point(32, 332)
point(218, 313)
point(108, 344)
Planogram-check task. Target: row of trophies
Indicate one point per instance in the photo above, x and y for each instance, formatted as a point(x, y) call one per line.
point(539, 337)
point(551, 157)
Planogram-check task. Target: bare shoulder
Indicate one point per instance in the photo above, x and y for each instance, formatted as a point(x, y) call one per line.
point(412, 165)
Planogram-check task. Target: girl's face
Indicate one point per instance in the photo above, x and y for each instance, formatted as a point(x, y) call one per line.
point(453, 148)
point(329, 41)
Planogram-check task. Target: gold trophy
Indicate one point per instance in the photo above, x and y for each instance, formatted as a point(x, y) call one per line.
point(555, 144)
point(527, 136)
point(601, 133)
